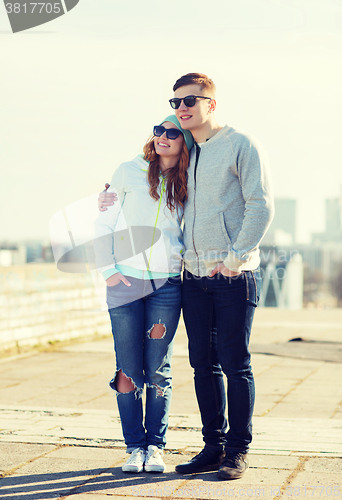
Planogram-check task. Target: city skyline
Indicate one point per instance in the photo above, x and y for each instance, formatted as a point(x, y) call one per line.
point(285, 221)
point(83, 92)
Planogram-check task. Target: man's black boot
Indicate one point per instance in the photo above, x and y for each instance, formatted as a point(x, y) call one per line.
point(234, 466)
point(207, 460)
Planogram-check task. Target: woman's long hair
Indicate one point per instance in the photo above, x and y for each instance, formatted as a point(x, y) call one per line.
point(176, 177)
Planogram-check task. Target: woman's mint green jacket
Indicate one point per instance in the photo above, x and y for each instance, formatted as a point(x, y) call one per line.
point(122, 244)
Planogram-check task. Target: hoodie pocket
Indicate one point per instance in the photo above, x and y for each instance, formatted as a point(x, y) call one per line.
point(224, 229)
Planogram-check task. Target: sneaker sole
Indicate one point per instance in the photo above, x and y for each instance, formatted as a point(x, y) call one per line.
point(132, 470)
point(154, 468)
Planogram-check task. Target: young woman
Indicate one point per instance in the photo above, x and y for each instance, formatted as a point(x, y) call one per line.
point(139, 248)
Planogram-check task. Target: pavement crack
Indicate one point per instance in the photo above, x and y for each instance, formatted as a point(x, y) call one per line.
point(337, 409)
point(93, 399)
point(12, 471)
point(75, 488)
point(297, 384)
point(265, 370)
point(180, 487)
point(299, 468)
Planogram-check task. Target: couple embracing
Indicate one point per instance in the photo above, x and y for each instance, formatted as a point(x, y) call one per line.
point(216, 181)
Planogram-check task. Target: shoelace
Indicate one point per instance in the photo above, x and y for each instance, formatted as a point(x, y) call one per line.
point(135, 454)
point(154, 454)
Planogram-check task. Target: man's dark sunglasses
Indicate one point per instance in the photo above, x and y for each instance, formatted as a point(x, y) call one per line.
point(171, 133)
point(189, 101)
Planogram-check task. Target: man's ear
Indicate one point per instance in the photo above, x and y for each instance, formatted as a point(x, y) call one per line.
point(212, 106)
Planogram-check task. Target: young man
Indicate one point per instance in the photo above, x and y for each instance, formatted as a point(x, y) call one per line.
point(228, 211)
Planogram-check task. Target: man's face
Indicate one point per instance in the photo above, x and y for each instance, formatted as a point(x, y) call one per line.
point(194, 117)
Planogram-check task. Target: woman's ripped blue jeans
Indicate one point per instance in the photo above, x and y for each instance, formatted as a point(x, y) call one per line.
point(143, 359)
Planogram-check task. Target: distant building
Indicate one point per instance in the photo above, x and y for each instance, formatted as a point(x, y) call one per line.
point(34, 252)
point(282, 230)
point(12, 254)
point(17, 254)
point(322, 257)
point(333, 222)
point(38, 252)
point(282, 271)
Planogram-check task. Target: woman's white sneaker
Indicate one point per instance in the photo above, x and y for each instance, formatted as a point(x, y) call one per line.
point(154, 460)
point(136, 460)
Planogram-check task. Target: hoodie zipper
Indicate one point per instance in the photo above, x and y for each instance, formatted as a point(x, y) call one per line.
point(198, 151)
point(162, 191)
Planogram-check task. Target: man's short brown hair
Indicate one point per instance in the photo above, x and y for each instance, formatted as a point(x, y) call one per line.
point(196, 79)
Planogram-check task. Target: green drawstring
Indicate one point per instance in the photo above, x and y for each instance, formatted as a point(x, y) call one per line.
point(155, 224)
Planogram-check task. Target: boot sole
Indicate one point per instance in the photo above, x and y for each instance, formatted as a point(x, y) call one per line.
point(228, 476)
point(211, 468)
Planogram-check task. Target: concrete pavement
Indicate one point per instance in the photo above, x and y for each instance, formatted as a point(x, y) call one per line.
point(60, 433)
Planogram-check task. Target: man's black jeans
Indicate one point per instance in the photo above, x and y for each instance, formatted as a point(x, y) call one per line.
point(218, 314)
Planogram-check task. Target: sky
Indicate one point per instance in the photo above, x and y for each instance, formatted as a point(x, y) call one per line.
point(80, 95)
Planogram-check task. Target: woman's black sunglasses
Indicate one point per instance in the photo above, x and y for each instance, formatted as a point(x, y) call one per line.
point(171, 133)
point(189, 101)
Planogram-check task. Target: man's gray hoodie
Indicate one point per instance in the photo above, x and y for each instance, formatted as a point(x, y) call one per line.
point(230, 203)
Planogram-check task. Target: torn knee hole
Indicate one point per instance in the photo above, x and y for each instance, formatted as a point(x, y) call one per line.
point(124, 383)
point(157, 331)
